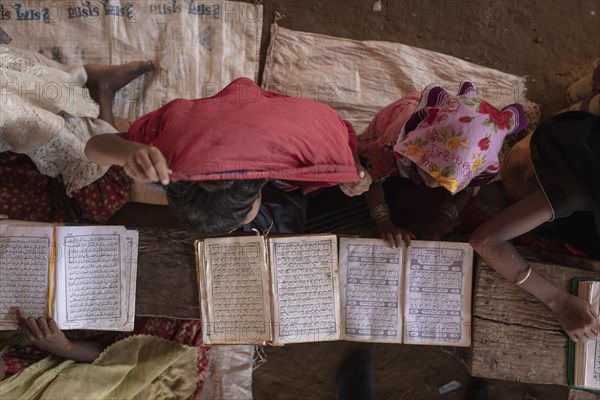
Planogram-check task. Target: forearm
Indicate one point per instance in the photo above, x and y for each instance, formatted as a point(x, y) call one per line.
point(504, 258)
point(109, 149)
point(375, 196)
point(450, 210)
point(80, 351)
point(490, 240)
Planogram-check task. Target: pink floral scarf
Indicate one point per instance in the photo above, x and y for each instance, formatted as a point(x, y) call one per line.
point(455, 139)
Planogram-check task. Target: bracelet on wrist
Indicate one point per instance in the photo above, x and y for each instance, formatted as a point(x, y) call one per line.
point(527, 275)
point(380, 213)
point(449, 210)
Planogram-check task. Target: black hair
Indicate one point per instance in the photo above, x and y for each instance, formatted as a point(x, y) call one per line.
point(213, 208)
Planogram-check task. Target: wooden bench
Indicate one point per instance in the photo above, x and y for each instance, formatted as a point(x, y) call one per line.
point(166, 279)
point(515, 336)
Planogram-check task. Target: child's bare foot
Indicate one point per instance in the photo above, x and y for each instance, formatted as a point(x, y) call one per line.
point(105, 80)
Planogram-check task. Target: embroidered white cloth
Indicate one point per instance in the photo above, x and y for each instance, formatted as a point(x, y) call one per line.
point(47, 114)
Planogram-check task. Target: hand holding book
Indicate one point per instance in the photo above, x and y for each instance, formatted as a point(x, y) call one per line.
point(584, 355)
point(82, 276)
point(45, 334)
point(577, 317)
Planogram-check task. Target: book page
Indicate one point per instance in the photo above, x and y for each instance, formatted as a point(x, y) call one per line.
point(306, 301)
point(587, 363)
point(370, 286)
point(90, 287)
point(130, 276)
point(437, 294)
point(25, 254)
point(235, 284)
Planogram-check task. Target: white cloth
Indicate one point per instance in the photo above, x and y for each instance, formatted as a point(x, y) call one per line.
point(47, 114)
point(197, 46)
point(359, 78)
point(229, 374)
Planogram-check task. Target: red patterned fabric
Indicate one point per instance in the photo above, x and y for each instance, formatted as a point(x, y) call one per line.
point(244, 132)
point(26, 194)
point(376, 144)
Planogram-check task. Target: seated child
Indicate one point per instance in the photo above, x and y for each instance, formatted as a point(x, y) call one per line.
point(439, 140)
point(217, 153)
point(552, 174)
point(214, 155)
point(47, 113)
point(41, 361)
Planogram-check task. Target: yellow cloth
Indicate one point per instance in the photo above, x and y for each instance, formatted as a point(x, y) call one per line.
point(138, 367)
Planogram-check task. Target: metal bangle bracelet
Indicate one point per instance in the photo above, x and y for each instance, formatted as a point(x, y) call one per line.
point(527, 275)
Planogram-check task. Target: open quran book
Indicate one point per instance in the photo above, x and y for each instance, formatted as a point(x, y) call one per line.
point(584, 357)
point(302, 289)
point(82, 276)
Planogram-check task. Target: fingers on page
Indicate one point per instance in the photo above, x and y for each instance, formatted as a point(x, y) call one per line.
point(407, 237)
point(54, 329)
point(43, 326)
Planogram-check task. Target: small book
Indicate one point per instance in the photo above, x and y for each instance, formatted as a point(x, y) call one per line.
point(584, 357)
point(82, 276)
point(304, 289)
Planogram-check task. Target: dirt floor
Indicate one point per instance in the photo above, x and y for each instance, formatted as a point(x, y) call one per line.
point(553, 42)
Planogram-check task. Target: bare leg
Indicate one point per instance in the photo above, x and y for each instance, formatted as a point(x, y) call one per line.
point(105, 80)
point(490, 240)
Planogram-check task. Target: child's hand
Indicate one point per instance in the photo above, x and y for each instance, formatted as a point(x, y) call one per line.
point(146, 164)
point(43, 333)
point(392, 234)
point(357, 188)
point(577, 318)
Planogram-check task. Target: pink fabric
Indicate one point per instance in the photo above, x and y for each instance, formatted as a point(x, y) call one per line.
point(455, 138)
point(376, 144)
point(244, 132)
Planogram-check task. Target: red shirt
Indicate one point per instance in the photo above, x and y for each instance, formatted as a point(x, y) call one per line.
point(244, 132)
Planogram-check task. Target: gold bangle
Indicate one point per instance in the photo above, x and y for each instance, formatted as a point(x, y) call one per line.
point(527, 275)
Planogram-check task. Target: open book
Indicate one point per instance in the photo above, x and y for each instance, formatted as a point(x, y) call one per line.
point(584, 357)
point(82, 276)
point(301, 289)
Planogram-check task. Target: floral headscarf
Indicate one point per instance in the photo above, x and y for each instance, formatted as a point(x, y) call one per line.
point(456, 138)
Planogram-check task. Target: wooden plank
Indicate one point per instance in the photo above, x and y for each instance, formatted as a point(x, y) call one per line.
point(565, 260)
point(582, 395)
point(166, 278)
point(515, 336)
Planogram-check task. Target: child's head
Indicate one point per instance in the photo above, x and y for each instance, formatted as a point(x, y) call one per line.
point(453, 139)
point(215, 207)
